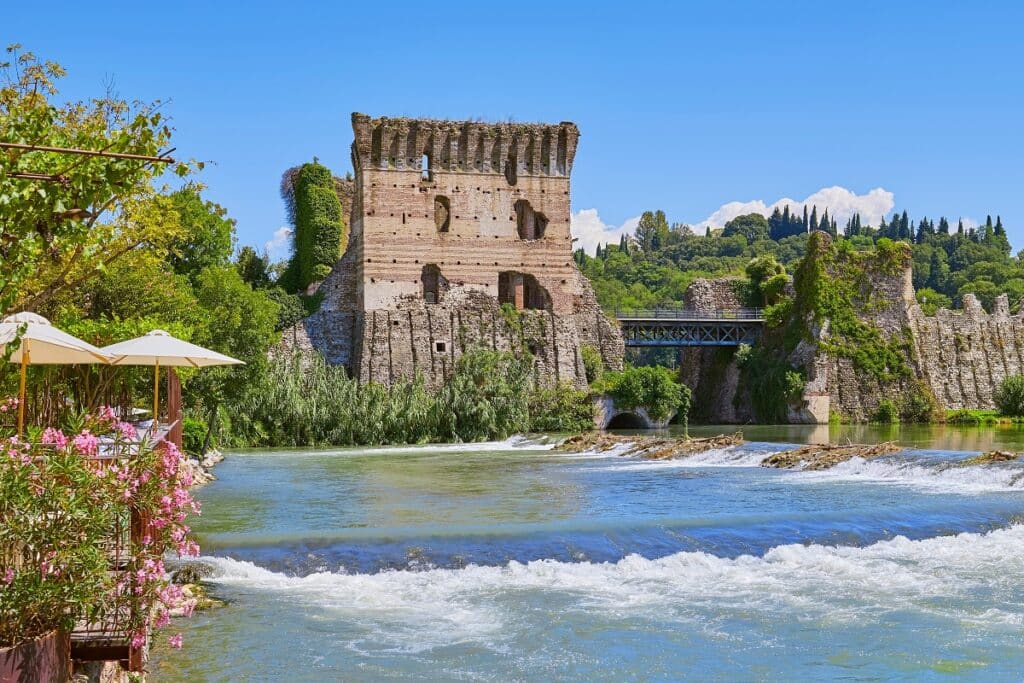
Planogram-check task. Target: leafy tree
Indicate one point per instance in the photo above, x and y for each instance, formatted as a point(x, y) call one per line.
point(208, 234)
point(240, 323)
point(254, 268)
point(58, 228)
point(752, 226)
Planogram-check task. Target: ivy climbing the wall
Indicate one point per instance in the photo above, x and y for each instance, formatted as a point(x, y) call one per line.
point(832, 284)
point(317, 224)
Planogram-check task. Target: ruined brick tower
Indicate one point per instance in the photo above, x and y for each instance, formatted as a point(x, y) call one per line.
point(450, 220)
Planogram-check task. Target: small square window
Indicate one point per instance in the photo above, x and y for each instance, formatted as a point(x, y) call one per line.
point(440, 347)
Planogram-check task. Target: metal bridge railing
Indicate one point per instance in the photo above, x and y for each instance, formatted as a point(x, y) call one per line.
point(751, 314)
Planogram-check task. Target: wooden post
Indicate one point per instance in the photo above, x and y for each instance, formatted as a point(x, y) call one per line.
point(174, 407)
point(156, 395)
point(21, 389)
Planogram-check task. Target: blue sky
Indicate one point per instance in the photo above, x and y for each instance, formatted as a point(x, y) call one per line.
point(682, 106)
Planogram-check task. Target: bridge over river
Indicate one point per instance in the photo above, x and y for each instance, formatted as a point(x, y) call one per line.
point(678, 327)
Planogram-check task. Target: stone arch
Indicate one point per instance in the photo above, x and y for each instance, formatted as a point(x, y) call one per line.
point(435, 285)
point(442, 213)
point(530, 224)
point(627, 420)
point(522, 291)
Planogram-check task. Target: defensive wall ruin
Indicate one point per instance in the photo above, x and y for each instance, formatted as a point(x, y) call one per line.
point(459, 237)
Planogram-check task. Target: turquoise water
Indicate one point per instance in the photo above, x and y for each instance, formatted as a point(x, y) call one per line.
point(509, 562)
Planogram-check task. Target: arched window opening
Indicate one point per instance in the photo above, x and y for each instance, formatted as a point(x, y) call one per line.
point(426, 172)
point(435, 286)
point(511, 170)
point(522, 291)
point(442, 213)
point(529, 223)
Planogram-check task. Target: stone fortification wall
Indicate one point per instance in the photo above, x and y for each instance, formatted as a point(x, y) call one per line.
point(959, 356)
point(964, 356)
point(459, 238)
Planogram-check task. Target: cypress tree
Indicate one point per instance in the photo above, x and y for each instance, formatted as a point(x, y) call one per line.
point(960, 227)
point(806, 224)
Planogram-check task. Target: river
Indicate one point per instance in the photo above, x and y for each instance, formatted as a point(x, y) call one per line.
point(510, 562)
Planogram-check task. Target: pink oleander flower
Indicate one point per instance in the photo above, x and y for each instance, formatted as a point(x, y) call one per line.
point(175, 641)
point(8, 577)
point(54, 437)
point(126, 430)
point(86, 443)
point(139, 638)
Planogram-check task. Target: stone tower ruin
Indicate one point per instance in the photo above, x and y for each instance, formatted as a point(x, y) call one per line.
point(459, 237)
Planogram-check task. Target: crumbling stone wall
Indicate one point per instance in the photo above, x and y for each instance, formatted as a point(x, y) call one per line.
point(964, 356)
point(961, 357)
point(482, 209)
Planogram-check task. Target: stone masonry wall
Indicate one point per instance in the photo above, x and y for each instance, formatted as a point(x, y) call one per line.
point(960, 356)
point(448, 221)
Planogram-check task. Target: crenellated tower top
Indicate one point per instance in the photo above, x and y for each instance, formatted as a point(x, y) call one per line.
point(429, 145)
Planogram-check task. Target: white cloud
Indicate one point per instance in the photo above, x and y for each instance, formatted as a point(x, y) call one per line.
point(277, 247)
point(589, 230)
point(840, 202)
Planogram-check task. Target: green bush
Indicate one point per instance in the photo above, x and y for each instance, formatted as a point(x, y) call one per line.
point(919, 405)
point(561, 409)
point(886, 412)
point(303, 401)
point(965, 416)
point(1009, 397)
point(593, 363)
point(654, 389)
point(193, 434)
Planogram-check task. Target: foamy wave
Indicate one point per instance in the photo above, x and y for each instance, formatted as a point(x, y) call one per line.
point(968, 577)
point(733, 456)
point(513, 443)
point(927, 476)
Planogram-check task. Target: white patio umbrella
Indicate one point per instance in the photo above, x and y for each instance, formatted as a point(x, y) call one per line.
point(43, 344)
point(158, 348)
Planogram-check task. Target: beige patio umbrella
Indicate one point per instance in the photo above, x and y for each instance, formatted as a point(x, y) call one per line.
point(43, 344)
point(158, 348)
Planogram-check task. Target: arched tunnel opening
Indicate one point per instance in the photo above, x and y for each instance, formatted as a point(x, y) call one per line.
point(626, 421)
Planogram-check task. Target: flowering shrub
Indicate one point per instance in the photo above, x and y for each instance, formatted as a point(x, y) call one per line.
point(74, 506)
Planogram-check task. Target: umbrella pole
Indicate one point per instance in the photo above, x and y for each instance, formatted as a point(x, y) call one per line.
point(156, 394)
point(21, 388)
